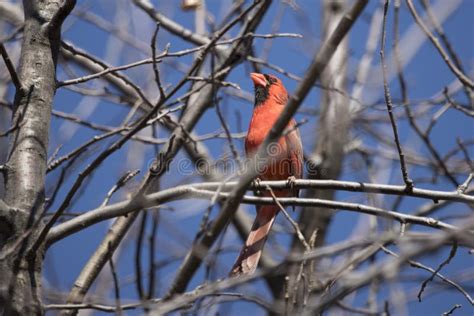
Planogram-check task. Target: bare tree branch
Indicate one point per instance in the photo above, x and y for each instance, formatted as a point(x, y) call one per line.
point(186, 191)
point(11, 68)
point(388, 100)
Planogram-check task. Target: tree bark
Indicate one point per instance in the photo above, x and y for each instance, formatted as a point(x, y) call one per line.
point(20, 267)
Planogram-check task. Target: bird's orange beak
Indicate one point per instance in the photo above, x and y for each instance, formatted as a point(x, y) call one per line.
point(258, 79)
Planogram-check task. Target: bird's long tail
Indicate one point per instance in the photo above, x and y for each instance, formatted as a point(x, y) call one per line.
point(247, 261)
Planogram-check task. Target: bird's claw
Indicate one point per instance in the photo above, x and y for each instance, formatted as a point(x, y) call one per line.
point(291, 181)
point(256, 186)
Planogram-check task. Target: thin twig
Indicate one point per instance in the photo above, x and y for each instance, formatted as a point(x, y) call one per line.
point(463, 187)
point(221, 83)
point(295, 226)
point(205, 218)
point(451, 311)
point(456, 106)
point(298, 78)
point(98, 307)
point(465, 153)
point(118, 309)
point(439, 29)
point(232, 147)
point(388, 100)
point(154, 59)
point(452, 253)
point(418, 265)
point(152, 254)
point(138, 256)
point(167, 54)
point(82, 148)
point(358, 310)
point(11, 68)
point(423, 135)
point(120, 183)
point(449, 47)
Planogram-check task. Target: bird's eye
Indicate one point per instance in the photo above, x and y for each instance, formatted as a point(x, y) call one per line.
point(270, 79)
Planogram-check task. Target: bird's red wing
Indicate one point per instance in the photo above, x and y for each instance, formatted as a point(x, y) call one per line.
point(295, 152)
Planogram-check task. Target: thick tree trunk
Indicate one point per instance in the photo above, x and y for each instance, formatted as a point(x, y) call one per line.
point(20, 267)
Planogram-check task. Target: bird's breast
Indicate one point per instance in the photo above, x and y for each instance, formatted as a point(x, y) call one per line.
point(276, 166)
point(263, 119)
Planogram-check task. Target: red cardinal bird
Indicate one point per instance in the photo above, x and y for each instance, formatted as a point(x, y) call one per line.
point(285, 162)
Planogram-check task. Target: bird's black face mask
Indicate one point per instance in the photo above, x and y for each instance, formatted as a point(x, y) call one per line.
point(261, 92)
